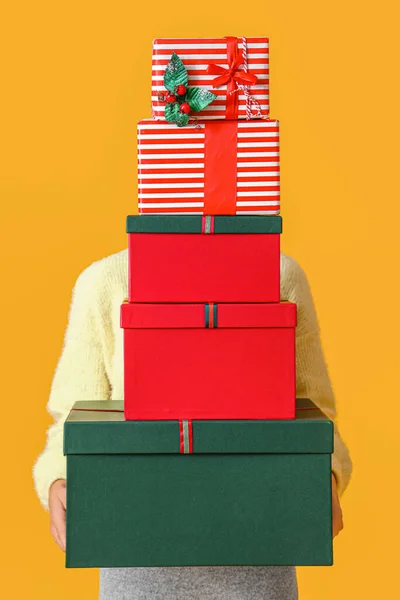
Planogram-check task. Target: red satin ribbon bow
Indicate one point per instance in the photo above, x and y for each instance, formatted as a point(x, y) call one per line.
point(232, 76)
point(227, 75)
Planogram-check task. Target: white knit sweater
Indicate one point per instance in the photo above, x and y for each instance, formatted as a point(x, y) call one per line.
point(91, 363)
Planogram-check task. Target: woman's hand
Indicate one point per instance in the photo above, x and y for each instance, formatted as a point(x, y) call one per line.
point(57, 507)
point(337, 517)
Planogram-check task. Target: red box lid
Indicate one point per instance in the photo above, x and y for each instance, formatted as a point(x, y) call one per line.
point(189, 316)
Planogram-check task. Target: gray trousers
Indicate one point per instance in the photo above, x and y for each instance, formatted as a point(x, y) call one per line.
point(199, 583)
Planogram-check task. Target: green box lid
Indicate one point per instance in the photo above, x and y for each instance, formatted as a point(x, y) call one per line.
point(194, 224)
point(99, 427)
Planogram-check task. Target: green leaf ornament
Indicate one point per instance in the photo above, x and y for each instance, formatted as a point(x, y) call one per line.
point(173, 114)
point(199, 98)
point(175, 73)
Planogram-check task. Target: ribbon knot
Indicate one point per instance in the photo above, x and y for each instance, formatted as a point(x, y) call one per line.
point(232, 74)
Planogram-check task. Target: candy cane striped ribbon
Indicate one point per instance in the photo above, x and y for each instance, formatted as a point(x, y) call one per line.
point(250, 100)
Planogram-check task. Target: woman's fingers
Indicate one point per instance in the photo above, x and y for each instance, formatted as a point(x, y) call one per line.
point(55, 536)
point(337, 525)
point(57, 507)
point(58, 523)
point(337, 515)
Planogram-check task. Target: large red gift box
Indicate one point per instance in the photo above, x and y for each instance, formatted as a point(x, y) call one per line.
point(219, 62)
point(209, 167)
point(203, 259)
point(209, 361)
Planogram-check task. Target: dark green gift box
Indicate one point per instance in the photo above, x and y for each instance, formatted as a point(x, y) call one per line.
point(251, 493)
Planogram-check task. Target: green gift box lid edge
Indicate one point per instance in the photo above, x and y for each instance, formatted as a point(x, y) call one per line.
point(194, 224)
point(99, 427)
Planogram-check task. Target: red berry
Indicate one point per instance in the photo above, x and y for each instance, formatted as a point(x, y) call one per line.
point(185, 108)
point(181, 90)
point(170, 98)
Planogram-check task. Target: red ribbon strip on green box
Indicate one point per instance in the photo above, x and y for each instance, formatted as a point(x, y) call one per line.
point(186, 436)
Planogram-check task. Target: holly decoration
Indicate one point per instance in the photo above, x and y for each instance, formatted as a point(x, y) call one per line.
point(182, 100)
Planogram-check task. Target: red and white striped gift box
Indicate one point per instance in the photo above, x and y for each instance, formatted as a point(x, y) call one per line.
point(196, 55)
point(209, 167)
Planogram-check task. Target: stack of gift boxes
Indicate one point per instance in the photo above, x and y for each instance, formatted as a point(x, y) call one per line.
point(209, 347)
point(204, 254)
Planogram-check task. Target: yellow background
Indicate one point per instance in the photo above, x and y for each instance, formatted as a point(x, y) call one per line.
point(75, 79)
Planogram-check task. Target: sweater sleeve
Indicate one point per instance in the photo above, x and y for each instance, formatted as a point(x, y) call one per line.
point(312, 377)
point(80, 375)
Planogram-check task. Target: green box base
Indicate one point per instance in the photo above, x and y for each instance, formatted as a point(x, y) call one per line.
point(171, 510)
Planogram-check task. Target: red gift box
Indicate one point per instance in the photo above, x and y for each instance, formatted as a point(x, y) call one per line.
point(203, 259)
point(212, 361)
point(209, 167)
point(221, 65)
